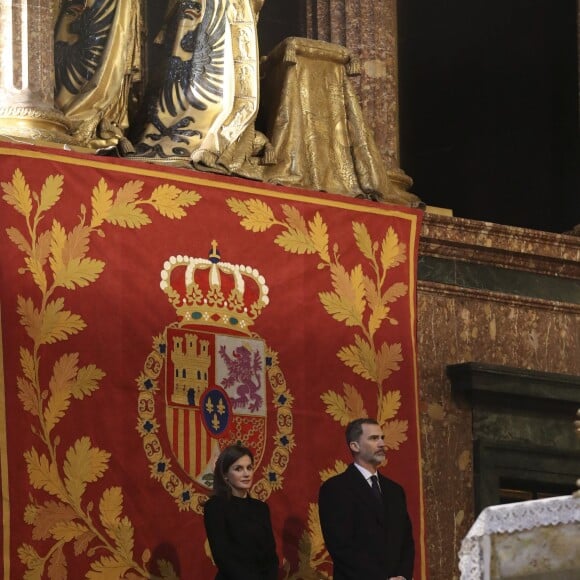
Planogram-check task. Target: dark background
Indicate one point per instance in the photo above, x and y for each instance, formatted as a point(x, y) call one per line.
point(489, 108)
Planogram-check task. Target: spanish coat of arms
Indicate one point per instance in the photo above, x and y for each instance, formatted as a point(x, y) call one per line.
point(210, 380)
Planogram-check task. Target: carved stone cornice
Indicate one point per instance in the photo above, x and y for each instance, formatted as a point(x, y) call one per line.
point(499, 245)
point(451, 293)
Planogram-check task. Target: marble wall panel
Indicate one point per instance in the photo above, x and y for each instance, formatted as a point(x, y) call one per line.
point(369, 31)
point(479, 320)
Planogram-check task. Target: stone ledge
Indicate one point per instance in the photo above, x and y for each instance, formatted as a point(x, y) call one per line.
point(453, 292)
point(503, 246)
point(509, 381)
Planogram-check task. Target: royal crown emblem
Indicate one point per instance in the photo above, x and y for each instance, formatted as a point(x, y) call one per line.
point(210, 379)
point(215, 293)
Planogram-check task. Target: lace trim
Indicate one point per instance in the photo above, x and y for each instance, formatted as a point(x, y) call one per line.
point(474, 554)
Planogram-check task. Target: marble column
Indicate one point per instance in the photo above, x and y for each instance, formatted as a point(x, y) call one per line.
point(27, 111)
point(369, 31)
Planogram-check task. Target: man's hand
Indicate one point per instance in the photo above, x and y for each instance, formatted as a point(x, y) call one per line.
point(397, 578)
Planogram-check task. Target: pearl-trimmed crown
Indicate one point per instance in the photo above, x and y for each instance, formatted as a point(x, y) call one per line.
point(214, 293)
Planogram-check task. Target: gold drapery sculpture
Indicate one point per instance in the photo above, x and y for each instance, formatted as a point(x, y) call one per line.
point(210, 95)
point(97, 48)
point(316, 126)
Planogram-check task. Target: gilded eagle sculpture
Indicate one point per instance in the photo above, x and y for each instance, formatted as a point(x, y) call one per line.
point(80, 40)
point(196, 82)
point(209, 96)
point(97, 55)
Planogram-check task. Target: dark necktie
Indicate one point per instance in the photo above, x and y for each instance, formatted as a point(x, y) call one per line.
point(375, 487)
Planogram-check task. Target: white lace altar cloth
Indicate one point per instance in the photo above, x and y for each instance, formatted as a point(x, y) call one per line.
point(537, 540)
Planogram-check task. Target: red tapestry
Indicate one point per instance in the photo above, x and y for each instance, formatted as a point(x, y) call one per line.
point(151, 316)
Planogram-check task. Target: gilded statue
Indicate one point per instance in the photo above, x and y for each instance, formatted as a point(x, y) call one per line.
point(310, 132)
point(316, 126)
point(210, 94)
point(97, 49)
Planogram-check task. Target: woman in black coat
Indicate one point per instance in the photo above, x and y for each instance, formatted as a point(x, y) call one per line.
point(238, 527)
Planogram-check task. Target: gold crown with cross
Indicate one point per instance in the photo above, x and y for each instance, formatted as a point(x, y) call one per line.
point(211, 292)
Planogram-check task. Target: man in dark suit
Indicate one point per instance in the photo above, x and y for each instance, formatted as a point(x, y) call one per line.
point(364, 518)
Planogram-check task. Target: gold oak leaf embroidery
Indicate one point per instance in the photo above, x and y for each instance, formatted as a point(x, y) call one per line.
point(344, 408)
point(361, 299)
point(84, 464)
point(395, 433)
point(107, 567)
point(44, 518)
point(347, 303)
point(17, 193)
point(256, 215)
point(316, 540)
point(311, 551)
point(339, 467)
point(389, 406)
point(393, 252)
point(58, 260)
point(43, 474)
point(32, 560)
point(57, 564)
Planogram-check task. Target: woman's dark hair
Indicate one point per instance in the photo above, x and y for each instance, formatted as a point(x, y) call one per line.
point(226, 459)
